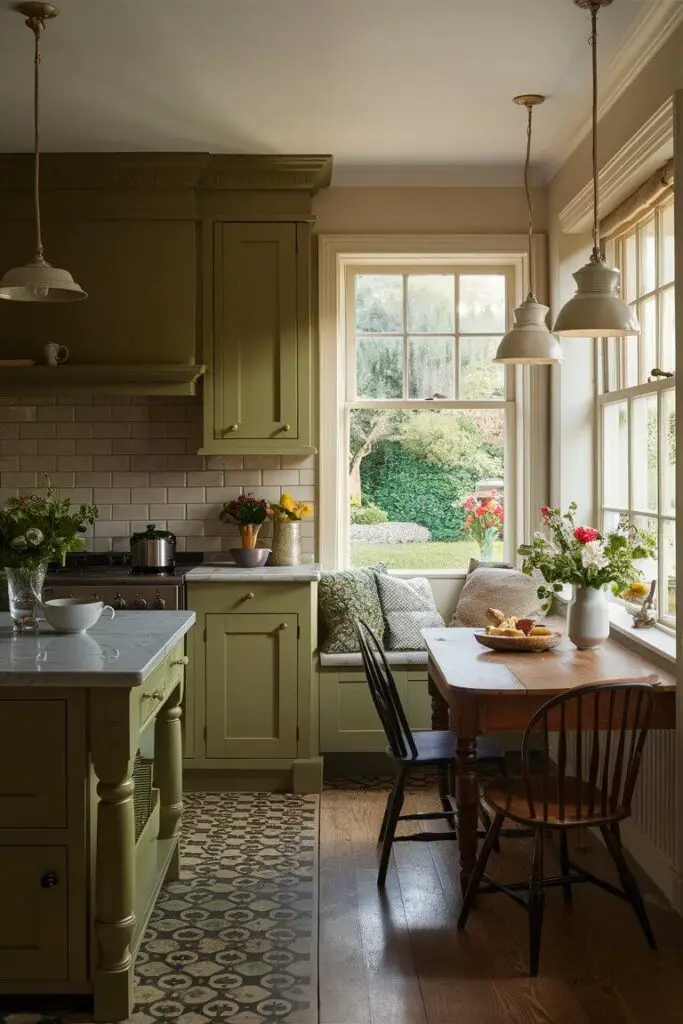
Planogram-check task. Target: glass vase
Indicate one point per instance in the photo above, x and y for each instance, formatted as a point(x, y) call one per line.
point(286, 543)
point(24, 589)
point(249, 533)
point(588, 618)
point(490, 536)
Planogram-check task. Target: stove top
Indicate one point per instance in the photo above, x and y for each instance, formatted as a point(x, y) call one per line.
point(116, 569)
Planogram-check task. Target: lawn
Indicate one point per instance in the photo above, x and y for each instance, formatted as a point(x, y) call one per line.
point(428, 555)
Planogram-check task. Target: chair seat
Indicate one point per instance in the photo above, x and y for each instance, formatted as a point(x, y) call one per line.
point(439, 746)
point(509, 797)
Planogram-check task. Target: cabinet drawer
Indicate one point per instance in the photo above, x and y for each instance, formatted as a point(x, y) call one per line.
point(254, 598)
point(32, 764)
point(34, 939)
point(162, 681)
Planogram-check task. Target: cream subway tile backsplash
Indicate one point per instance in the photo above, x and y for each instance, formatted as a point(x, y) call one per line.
point(136, 458)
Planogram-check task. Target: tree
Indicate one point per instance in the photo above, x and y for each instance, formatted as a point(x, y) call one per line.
point(367, 428)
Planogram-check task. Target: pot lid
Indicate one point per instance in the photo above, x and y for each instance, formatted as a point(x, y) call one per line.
point(151, 533)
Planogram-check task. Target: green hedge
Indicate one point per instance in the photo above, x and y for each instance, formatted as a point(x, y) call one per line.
point(412, 490)
point(368, 515)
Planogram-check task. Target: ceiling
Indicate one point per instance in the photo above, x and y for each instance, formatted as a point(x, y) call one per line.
point(399, 91)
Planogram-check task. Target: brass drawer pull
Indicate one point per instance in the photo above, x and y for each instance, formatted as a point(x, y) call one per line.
point(49, 880)
point(287, 427)
point(283, 625)
point(181, 661)
point(250, 596)
point(232, 428)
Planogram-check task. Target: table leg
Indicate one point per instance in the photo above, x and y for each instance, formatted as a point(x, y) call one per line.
point(439, 706)
point(168, 772)
point(465, 724)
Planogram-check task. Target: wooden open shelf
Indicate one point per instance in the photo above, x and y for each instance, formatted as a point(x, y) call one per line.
point(162, 379)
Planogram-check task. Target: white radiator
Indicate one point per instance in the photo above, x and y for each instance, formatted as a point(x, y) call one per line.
point(650, 835)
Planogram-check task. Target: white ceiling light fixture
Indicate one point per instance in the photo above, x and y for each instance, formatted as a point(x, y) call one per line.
point(597, 310)
point(529, 341)
point(37, 281)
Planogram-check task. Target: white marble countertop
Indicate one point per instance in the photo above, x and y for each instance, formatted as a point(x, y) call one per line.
point(228, 572)
point(119, 652)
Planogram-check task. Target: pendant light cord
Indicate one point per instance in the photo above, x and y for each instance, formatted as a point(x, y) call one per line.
point(36, 25)
point(596, 255)
point(527, 188)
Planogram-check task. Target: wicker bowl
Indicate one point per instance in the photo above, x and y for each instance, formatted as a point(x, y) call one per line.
point(524, 644)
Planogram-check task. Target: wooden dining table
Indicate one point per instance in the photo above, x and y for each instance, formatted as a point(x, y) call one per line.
point(477, 691)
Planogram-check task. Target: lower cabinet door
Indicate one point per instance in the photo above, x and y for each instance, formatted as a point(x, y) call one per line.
point(34, 938)
point(251, 685)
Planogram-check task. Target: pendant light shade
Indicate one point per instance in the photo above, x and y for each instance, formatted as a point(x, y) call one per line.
point(38, 281)
point(597, 310)
point(529, 341)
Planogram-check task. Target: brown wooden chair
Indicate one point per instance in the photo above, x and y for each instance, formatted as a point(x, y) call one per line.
point(591, 785)
point(410, 750)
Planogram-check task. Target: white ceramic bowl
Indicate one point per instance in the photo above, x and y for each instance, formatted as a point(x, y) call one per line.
point(74, 614)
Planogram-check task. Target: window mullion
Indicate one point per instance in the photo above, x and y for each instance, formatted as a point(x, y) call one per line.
point(456, 338)
point(405, 337)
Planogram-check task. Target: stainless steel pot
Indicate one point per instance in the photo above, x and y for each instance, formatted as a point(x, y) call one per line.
point(152, 550)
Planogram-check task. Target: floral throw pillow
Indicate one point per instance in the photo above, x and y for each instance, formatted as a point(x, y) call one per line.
point(343, 597)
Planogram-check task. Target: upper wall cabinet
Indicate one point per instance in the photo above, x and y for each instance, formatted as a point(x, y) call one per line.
point(258, 386)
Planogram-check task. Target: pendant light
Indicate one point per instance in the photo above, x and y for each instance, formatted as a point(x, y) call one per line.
point(529, 340)
point(37, 281)
point(596, 311)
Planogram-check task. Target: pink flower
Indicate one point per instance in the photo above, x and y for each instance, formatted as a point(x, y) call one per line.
point(586, 534)
point(470, 503)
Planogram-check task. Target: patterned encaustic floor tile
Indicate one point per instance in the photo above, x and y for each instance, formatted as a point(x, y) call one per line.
point(235, 938)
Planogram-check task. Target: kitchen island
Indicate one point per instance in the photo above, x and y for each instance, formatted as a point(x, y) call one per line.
point(87, 836)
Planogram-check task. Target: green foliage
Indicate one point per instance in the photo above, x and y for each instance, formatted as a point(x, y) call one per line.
point(412, 490)
point(36, 528)
point(452, 441)
point(367, 515)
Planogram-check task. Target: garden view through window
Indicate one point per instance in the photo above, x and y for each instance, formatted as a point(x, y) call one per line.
point(426, 418)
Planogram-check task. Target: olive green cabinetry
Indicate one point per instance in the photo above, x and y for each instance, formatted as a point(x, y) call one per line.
point(258, 388)
point(250, 687)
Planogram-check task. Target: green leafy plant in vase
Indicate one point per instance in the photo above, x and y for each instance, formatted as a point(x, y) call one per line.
point(36, 529)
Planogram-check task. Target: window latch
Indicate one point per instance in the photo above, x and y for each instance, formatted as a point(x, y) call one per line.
point(661, 373)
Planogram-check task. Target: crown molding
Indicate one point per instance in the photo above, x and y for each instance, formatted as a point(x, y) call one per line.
point(648, 34)
point(651, 145)
point(159, 171)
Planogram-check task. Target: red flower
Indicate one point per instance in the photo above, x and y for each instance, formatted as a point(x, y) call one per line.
point(585, 534)
point(480, 511)
point(545, 511)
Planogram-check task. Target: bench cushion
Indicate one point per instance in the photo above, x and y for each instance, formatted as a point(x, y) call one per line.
point(396, 658)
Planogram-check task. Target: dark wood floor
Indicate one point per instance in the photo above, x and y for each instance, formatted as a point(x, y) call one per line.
point(398, 958)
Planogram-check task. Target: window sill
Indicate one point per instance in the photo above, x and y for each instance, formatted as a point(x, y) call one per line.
point(654, 642)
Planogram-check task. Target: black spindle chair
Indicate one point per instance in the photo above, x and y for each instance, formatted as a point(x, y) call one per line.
point(410, 750)
point(590, 784)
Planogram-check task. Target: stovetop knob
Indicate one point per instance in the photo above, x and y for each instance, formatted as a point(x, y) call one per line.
point(159, 604)
point(139, 604)
point(96, 596)
point(119, 602)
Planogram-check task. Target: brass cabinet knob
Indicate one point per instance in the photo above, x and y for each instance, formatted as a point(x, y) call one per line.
point(232, 428)
point(287, 427)
point(182, 661)
point(283, 625)
point(49, 880)
point(250, 596)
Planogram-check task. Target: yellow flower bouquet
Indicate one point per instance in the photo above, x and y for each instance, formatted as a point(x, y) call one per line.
point(288, 510)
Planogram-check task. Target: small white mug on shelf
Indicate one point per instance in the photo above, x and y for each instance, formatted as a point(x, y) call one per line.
point(55, 354)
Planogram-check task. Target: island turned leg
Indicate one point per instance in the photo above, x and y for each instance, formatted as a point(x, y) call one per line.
point(465, 718)
point(168, 773)
point(114, 891)
point(112, 758)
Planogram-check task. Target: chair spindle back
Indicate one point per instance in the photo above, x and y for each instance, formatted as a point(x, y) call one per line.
point(384, 693)
point(609, 722)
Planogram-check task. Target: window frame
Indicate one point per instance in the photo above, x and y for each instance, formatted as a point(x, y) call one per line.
point(526, 401)
point(657, 388)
